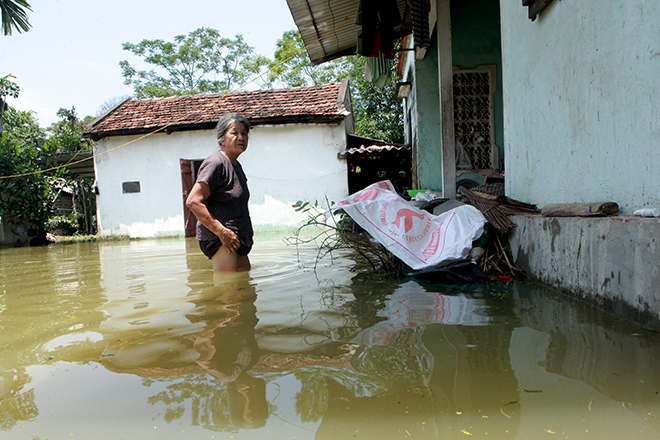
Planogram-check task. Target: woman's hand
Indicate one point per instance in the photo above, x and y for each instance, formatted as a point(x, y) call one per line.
point(195, 202)
point(229, 240)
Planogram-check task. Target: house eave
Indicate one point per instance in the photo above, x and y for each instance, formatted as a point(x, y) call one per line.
point(330, 30)
point(169, 129)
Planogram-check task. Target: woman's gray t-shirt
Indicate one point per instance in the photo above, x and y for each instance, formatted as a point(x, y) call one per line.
point(228, 201)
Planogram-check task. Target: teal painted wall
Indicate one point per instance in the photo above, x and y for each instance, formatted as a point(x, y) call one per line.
point(428, 159)
point(476, 41)
point(582, 114)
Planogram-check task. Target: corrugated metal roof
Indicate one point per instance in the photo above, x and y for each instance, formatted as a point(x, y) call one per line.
point(361, 145)
point(329, 29)
point(79, 163)
point(371, 149)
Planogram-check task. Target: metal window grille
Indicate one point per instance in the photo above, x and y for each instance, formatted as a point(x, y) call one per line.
point(473, 118)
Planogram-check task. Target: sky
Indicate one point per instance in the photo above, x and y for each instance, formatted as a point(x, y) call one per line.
point(70, 57)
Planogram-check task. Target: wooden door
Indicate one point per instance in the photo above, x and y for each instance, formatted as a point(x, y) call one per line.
point(187, 184)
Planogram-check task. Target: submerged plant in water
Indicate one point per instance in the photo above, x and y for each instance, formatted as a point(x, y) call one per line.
point(333, 232)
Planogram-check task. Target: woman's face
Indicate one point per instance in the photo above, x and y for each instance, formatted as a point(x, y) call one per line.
point(236, 139)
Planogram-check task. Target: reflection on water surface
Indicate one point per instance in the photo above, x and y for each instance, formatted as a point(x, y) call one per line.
point(141, 340)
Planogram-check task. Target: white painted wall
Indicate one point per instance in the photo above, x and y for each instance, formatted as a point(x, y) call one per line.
point(284, 164)
point(582, 114)
point(288, 163)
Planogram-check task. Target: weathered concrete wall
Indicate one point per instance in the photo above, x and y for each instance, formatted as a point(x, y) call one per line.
point(580, 110)
point(612, 263)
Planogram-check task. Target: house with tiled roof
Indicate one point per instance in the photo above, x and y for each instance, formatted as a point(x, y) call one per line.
point(147, 152)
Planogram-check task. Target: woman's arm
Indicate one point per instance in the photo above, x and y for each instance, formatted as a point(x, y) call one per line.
point(195, 202)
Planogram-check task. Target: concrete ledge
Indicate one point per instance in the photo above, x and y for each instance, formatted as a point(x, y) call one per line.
point(611, 262)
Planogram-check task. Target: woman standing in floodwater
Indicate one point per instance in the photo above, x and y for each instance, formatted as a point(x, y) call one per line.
point(219, 199)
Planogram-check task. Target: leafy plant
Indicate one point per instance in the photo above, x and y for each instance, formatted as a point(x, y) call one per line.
point(68, 224)
point(25, 192)
point(14, 15)
point(331, 233)
point(67, 133)
point(291, 66)
point(7, 88)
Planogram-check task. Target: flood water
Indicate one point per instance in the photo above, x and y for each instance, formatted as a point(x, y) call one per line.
point(140, 340)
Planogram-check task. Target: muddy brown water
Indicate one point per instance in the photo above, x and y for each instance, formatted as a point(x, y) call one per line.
point(140, 340)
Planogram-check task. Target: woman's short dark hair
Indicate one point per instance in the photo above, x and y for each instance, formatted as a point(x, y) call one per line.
point(225, 122)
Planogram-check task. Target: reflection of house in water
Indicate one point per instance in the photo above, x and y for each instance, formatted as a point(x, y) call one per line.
point(580, 344)
point(15, 406)
point(216, 358)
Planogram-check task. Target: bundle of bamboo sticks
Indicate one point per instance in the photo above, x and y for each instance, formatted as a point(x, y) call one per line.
point(497, 261)
point(497, 208)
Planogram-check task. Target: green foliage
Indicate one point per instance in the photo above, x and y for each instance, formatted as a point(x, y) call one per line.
point(14, 16)
point(68, 137)
point(67, 133)
point(291, 65)
point(25, 194)
point(84, 205)
point(8, 87)
point(200, 62)
point(377, 112)
point(23, 134)
point(65, 223)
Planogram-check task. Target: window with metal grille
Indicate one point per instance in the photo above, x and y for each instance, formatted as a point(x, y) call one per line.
point(473, 118)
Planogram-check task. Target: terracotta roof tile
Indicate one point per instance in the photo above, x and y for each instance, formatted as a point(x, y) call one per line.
point(194, 112)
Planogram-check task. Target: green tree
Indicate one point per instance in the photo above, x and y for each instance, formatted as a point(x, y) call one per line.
point(27, 192)
point(200, 62)
point(376, 110)
point(378, 113)
point(67, 137)
point(291, 65)
point(23, 132)
point(7, 88)
point(14, 15)
point(67, 133)
point(26, 195)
